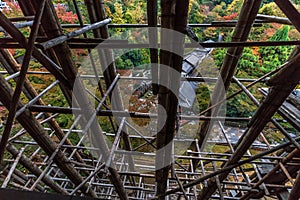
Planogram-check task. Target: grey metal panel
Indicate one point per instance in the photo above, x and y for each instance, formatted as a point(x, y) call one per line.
point(187, 95)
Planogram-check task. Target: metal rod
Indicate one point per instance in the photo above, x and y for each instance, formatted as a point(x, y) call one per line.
point(114, 44)
point(50, 159)
point(63, 110)
point(19, 25)
point(13, 167)
point(12, 76)
point(256, 102)
point(232, 151)
point(140, 134)
point(93, 116)
point(35, 99)
point(247, 86)
point(56, 41)
point(213, 24)
point(115, 144)
point(230, 167)
point(87, 179)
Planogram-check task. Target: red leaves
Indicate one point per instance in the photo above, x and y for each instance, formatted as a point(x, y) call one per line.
point(64, 15)
point(231, 17)
point(13, 9)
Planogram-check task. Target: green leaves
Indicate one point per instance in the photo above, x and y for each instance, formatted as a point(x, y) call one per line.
point(273, 57)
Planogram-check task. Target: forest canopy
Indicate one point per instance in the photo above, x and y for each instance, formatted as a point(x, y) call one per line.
point(255, 61)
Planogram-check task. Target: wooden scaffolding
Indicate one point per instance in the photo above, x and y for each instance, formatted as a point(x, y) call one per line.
point(71, 169)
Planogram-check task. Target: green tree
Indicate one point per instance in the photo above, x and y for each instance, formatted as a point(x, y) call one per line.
point(217, 2)
point(249, 64)
point(297, 2)
point(271, 9)
point(220, 9)
point(197, 12)
point(275, 56)
point(234, 6)
point(239, 106)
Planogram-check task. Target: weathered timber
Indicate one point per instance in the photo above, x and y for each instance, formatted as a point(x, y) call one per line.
point(282, 85)
point(32, 126)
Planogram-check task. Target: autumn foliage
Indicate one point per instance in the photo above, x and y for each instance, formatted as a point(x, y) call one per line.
point(64, 15)
point(231, 16)
point(13, 9)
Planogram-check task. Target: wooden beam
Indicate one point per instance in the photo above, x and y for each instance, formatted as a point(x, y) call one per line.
point(10, 64)
point(96, 11)
point(40, 56)
point(32, 126)
point(153, 40)
point(290, 11)
point(226, 169)
point(163, 155)
point(91, 43)
point(21, 79)
point(282, 85)
point(246, 19)
point(53, 29)
point(295, 191)
point(286, 159)
point(12, 169)
point(174, 17)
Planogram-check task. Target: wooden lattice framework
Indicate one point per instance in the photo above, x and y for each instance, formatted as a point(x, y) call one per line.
point(66, 169)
